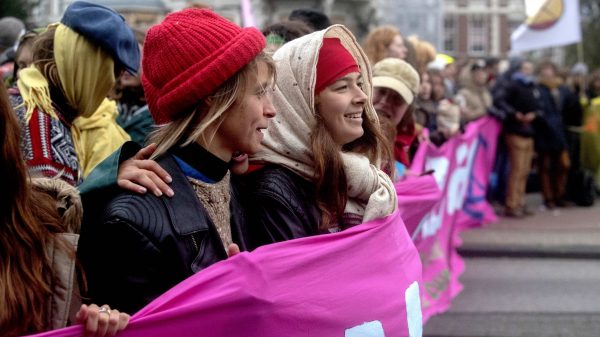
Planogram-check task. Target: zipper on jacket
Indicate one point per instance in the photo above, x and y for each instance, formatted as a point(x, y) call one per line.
point(195, 243)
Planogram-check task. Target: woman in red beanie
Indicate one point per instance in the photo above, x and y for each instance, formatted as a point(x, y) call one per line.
point(207, 84)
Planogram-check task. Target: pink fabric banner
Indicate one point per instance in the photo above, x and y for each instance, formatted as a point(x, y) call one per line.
point(363, 281)
point(461, 169)
point(416, 197)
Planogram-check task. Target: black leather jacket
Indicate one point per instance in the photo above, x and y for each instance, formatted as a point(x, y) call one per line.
point(139, 246)
point(280, 205)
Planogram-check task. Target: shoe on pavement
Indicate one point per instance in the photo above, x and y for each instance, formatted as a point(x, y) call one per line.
point(513, 213)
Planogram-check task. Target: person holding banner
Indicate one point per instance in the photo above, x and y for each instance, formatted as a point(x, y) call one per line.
point(207, 83)
point(322, 156)
point(39, 222)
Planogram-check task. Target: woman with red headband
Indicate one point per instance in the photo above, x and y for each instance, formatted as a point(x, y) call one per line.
point(323, 154)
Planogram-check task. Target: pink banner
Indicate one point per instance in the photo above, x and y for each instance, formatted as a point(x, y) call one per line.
point(363, 281)
point(461, 169)
point(416, 197)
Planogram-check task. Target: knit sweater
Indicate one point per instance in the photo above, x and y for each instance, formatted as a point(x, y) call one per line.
point(210, 179)
point(215, 198)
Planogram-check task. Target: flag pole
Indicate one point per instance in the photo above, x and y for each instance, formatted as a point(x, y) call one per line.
point(580, 52)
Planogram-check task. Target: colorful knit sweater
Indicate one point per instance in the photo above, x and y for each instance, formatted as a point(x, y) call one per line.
point(46, 144)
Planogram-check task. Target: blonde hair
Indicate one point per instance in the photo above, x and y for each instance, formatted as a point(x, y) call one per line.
point(376, 44)
point(211, 111)
point(424, 52)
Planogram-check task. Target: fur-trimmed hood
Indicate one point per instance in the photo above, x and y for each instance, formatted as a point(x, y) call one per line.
point(68, 202)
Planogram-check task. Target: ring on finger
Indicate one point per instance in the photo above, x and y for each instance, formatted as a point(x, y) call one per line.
point(104, 310)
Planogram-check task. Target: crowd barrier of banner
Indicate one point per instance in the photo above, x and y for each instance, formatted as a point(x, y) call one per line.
point(461, 167)
point(364, 281)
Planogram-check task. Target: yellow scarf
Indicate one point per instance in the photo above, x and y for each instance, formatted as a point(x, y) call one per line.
point(85, 71)
point(35, 92)
point(86, 75)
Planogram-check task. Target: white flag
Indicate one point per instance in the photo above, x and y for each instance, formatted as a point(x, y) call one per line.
point(550, 23)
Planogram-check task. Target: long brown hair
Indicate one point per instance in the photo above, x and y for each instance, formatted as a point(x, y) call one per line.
point(28, 220)
point(330, 177)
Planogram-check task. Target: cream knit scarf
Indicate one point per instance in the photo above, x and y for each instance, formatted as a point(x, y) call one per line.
point(287, 142)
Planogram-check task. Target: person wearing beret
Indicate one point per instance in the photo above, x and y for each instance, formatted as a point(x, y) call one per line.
point(74, 66)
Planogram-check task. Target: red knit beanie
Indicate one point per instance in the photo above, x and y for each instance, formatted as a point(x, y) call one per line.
point(334, 62)
point(189, 55)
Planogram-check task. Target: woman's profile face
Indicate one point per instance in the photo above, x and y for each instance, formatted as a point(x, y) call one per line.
point(24, 57)
point(248, 119)
point(397, 48)
point(341, 105)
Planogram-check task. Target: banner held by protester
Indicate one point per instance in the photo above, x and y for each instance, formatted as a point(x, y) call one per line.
point(461, 168)
point(361, 281)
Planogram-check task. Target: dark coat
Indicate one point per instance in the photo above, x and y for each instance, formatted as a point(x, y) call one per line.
point(136, 247)
point(280, 205)
point(550, 130)
point(517, 95)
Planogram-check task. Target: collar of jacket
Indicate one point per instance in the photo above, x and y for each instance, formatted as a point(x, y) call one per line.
point(202, 161)
point(188, 215)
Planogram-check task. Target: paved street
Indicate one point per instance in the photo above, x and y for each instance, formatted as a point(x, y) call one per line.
point(538, 276)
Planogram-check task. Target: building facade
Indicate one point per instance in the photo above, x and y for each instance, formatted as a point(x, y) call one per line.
point(423, 18)
point(139, 14)
point(478, 28)
point(460, 28)
point(358, 15)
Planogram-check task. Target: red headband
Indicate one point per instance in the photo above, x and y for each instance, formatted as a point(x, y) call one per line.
point(334, 62)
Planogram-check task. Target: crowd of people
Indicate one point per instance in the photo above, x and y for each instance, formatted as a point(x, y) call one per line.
point(251, 137)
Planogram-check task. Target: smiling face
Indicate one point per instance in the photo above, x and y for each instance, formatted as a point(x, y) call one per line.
point(389, 104)
point(247, 120)
point(341, 105)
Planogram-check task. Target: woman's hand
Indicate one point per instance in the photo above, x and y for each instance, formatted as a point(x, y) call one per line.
point(232, 250)
point(101, 321)
point(139, 174)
